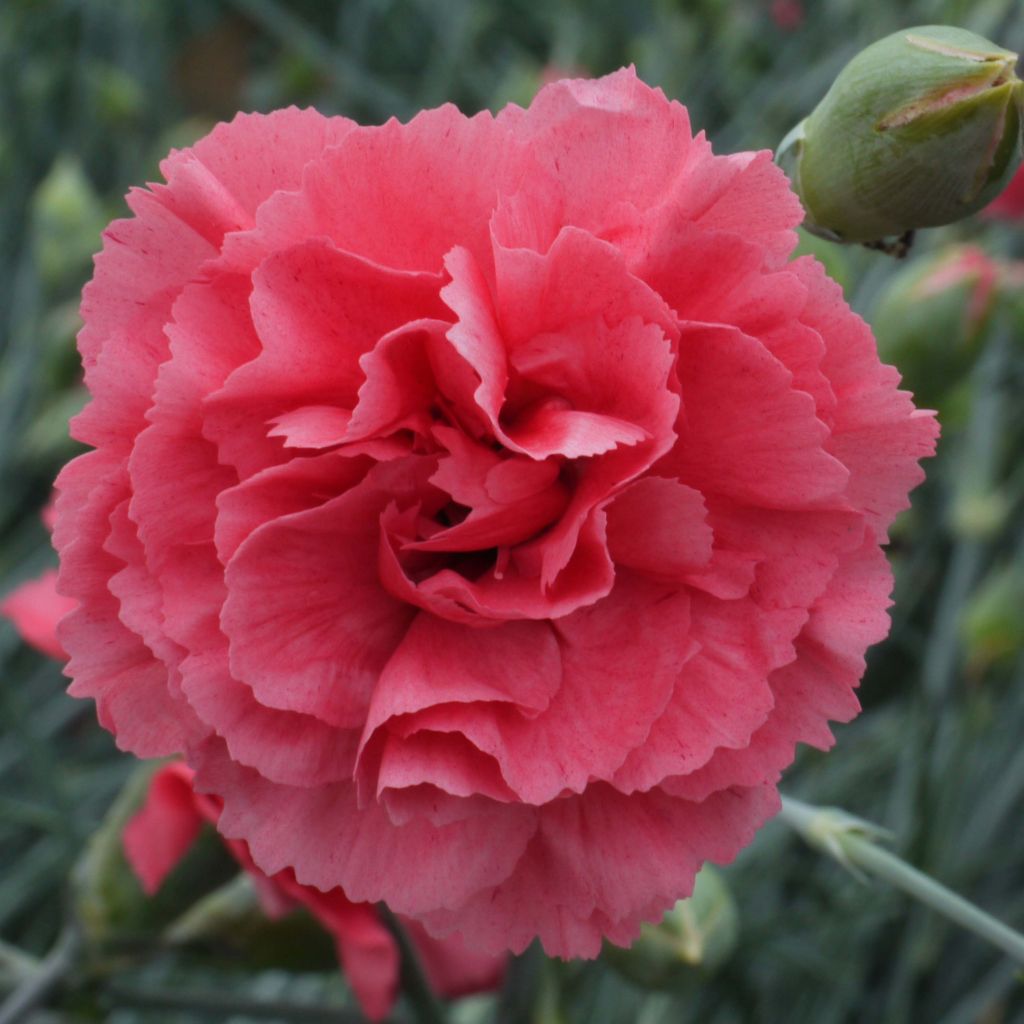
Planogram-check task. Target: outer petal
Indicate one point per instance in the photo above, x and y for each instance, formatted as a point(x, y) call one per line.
point(877, 433)
point(107, 661)
point(603, 149)
point(397, 195)
point(604, 862)
point(817, 686)
point(173, 464)
point(147, 260)
point(722, 694)
point(329, 840)
point(239, 165)
point(284, 746)
point(366, 950)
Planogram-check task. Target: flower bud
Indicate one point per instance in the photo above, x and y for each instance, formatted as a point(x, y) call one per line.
point(932, 318)
point(920, 129)
point(699, 932)
point(68, 218)
point(992, 627)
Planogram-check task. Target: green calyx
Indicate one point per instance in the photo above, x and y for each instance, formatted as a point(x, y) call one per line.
point(920, 129)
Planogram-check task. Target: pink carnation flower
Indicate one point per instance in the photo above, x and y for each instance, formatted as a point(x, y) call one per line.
point(168, 823)
point(484, 506)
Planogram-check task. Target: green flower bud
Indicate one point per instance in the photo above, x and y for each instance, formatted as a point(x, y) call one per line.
point(992, 626)
point(920, 129)
point(930, 318)
point(68, 219)
point(699, 932)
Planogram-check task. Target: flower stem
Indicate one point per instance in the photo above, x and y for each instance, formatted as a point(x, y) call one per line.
point(36, 987)
point(853, 843)
point(425, 1004)
point(220, 1006)
point(15, 964)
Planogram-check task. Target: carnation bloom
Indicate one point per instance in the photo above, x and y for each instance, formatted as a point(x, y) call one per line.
point(168, 823)
point(484, 506)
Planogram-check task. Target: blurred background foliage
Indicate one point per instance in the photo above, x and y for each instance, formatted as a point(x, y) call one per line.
point(94, 92)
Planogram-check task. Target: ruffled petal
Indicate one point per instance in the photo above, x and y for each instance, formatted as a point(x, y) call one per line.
point(614, 681)
point(756, 440)
point(817, 686)
point(581, 876)
point(309, 625)
point(876, 432)
point(430, 197)
point(329, 840)
point(317, 311)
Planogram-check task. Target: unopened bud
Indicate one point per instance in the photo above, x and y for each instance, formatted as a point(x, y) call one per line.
point(992, 627)
point(920, 129)
point(930, 319)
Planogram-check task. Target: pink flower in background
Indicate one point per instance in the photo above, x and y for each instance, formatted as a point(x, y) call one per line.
point(35, 608)
point(484, 506)
point(1009, 204)
point(787, 14)
point(163, 830)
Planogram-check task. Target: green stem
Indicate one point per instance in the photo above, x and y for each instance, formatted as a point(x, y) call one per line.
point(853, 843)
point(425, 1004)
point(16, 963)
point(523, 979)
point(219, 1006)
point(36, 987)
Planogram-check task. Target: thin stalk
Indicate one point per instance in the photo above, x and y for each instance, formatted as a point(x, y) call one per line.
point(35, 988)
point(523, 979)
point(425, 1004)
point(854, 844)
point(219, 1006)
point(15, 964)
